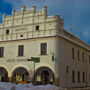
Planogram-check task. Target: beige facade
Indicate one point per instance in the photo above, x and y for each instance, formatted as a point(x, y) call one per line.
point(64, 58)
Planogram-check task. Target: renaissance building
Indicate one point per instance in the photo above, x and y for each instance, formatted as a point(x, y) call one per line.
point(35, 46)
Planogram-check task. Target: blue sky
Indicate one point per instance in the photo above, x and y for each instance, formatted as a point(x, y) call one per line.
point(75, 12)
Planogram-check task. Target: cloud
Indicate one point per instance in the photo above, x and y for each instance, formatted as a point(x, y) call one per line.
point(15, 3)
point(86, 34)
point(28, 3)
point(39, 3)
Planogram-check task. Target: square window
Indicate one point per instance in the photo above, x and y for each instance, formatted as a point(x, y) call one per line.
point(37, 27)
point(89, 59)
point(20, 50)
point(1, 51)
point(73, 51)
point(78, 77)
point(73, 76)
point(78, 54)
point(83, 56)
point(43, 48)
point(7, 31)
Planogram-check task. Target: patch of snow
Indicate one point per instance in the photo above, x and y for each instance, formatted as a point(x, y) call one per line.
point(28, 86)
point(6, 86)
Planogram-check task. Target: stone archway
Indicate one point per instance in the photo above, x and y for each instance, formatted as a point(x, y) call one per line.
point(44, 75)
point(3, 75)
point(20, 74)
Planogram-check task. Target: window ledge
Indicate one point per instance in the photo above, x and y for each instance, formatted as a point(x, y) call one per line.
point(43, 54)
point(20, 56)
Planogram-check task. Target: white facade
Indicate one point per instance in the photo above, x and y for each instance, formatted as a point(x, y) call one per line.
point(20, 29)
point(30, 29)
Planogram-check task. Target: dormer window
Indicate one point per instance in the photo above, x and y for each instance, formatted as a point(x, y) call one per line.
point(37, 28)
point(7, 31)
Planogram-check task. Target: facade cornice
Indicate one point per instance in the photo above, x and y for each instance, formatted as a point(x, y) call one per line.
point(53, 36)
point(46, 37)
point(74, 39)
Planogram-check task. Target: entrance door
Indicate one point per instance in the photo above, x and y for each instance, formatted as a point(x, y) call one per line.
point(22, 77)
point(45, 77)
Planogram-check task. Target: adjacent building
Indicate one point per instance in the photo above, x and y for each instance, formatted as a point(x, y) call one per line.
point(35, 46)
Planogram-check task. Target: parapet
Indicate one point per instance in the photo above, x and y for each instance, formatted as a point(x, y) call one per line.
point(44, 9)
point(23, 8)
point(13, 12)
point(24, 11)
point(4, 15)
point(33, 9)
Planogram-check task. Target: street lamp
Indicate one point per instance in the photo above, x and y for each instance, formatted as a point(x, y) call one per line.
point(53, 56)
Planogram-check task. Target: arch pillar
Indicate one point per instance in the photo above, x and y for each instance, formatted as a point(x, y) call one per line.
point(3, 74)
point(56, 81)
point(9, 79)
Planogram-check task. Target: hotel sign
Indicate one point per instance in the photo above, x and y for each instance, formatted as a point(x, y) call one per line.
point(35, 59)
point(21, 29)
point(17, 60)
